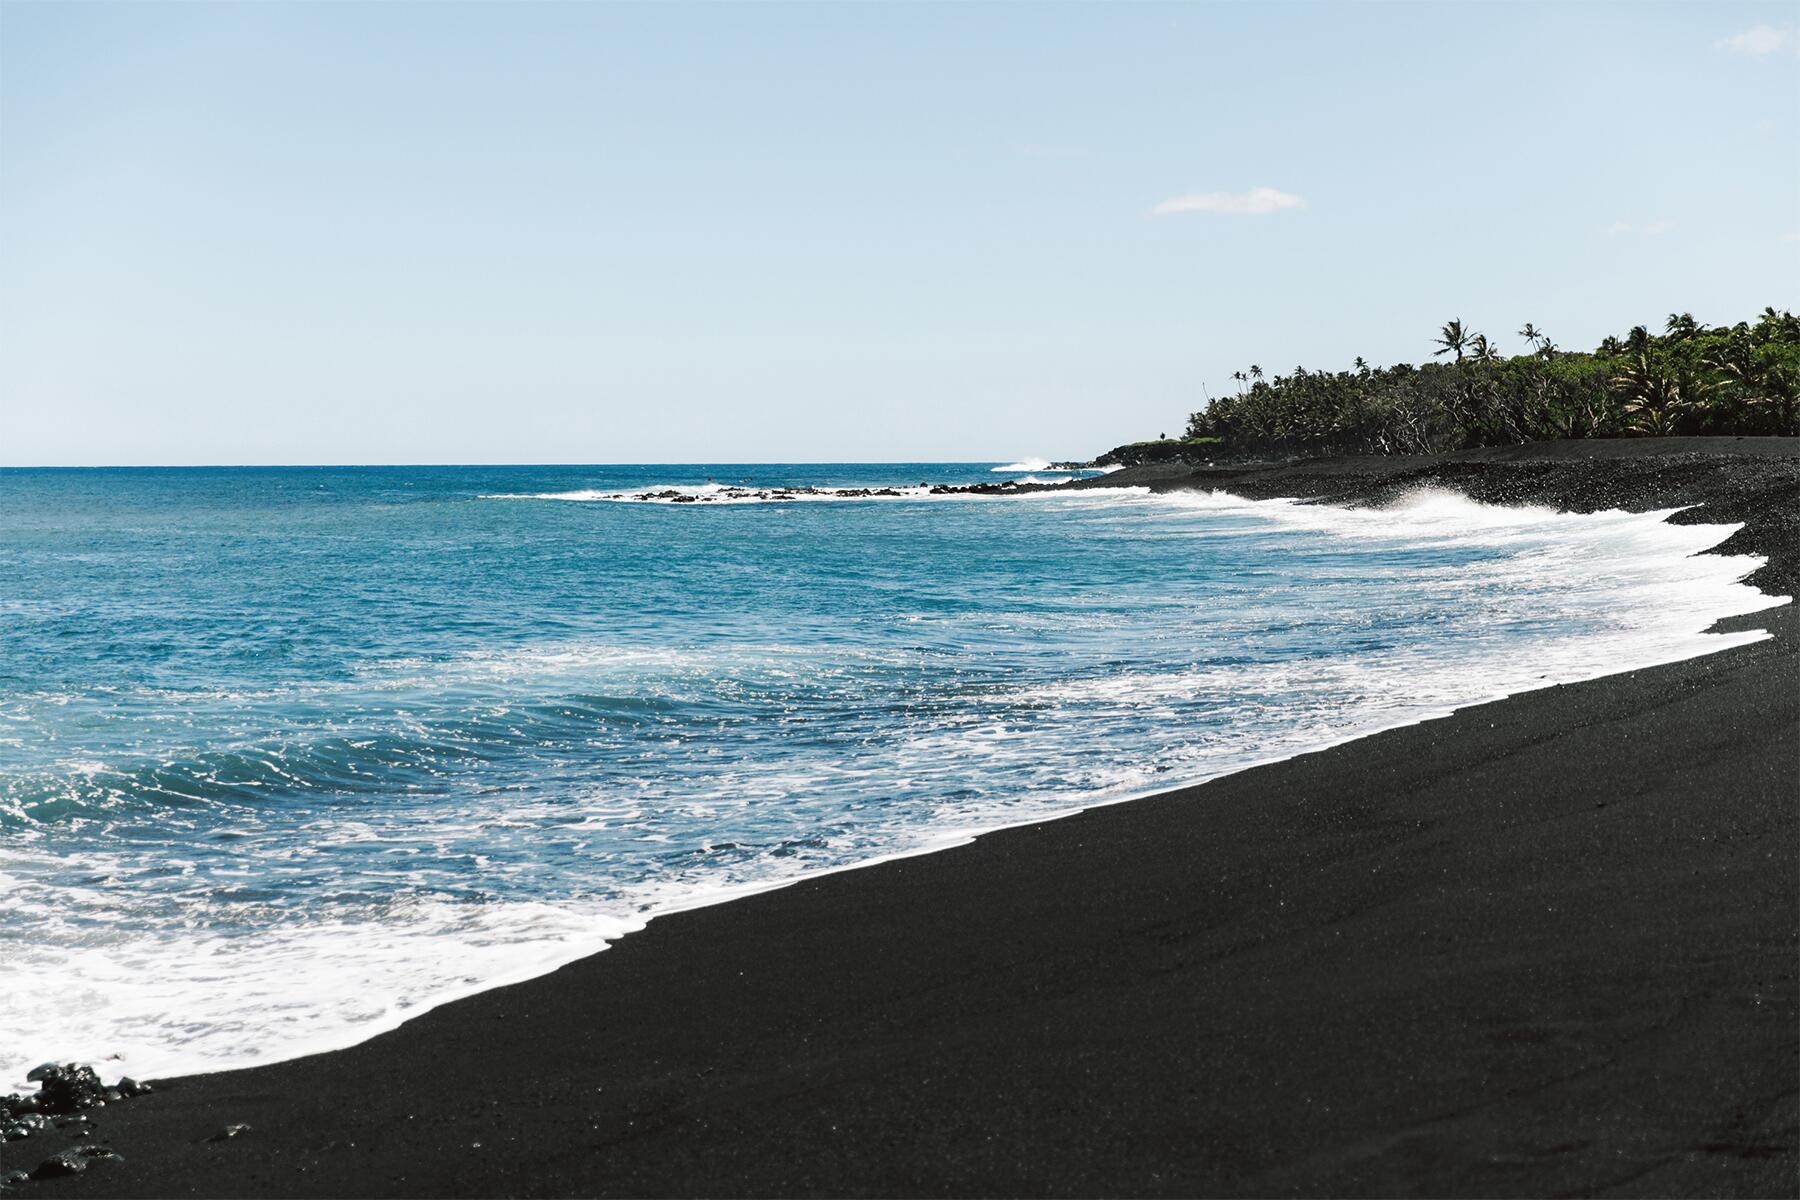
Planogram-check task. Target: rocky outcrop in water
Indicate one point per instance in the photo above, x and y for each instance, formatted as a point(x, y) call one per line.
point(736, 494)
point(1163, 450)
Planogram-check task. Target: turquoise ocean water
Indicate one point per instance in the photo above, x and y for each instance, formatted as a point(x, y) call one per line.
point(289, 754)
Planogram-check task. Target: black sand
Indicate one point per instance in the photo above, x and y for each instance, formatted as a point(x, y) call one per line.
point(1548, 945)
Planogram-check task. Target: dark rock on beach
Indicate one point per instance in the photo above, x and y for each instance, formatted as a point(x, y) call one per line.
point(55, 1115)
point(25, 1125)
point(71, 1088)
point(59, 1165)
point(19, 1103)
point(74, 1162)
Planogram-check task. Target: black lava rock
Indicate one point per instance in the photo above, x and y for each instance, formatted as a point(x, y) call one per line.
point(71, 1088)
point(13, 1178)
point(74, 1162)
point(130, 1087)
point(24, 1126)
point(40, 1071)
point(229, 1132)
point(69, 1162)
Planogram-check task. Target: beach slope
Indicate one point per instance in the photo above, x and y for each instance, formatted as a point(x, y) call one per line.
point(1546, 945)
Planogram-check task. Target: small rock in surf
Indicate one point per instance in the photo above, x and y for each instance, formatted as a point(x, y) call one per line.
point(72, 1088)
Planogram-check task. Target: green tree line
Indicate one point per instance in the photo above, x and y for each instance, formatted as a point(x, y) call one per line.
point(1689, 379)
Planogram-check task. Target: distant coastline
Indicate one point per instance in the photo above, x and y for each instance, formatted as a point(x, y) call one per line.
point(1753, 480)
point(1690, 380)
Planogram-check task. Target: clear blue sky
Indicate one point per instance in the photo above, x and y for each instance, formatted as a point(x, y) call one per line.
point(604, 233)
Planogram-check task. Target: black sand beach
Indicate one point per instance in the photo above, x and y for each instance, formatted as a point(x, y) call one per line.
point(1545, 946)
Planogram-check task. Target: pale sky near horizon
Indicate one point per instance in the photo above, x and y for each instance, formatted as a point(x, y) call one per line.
point(386, 233)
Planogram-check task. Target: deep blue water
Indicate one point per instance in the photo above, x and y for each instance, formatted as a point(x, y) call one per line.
point(286, 754)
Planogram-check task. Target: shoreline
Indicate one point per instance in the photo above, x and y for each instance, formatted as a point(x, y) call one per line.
point(557, 1148)
point(1633, 474)
point(623, 924)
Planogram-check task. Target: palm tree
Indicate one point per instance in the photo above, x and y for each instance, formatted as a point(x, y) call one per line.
point(1482, 351)
point(1781, 394)
point(1531, 334)
point(1751, 379)
point(1738, 378)
point(1682, 325)
point(1777, 326)
point(1656, 397)
point(1452, 339)
point(1735, 361)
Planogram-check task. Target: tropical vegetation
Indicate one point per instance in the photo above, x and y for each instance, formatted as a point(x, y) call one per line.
point(1688, 379)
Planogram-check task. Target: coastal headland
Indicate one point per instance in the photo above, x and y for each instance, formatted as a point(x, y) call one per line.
point(1546, 945)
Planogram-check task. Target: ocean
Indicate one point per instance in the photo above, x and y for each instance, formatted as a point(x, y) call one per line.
point(288, 755)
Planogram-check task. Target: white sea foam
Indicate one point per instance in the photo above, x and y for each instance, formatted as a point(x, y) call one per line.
point(737, 493)
point(233, 1001)
point(719, 493)
point(1043, 466)
point(207, 1002)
